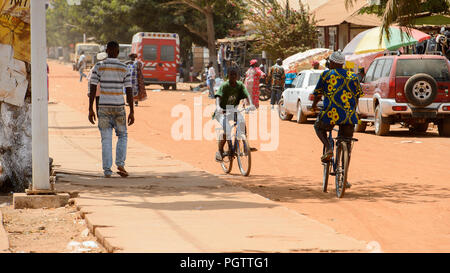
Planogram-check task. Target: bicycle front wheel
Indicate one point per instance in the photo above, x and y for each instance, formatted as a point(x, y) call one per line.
point(227, 161)
point(243, 155)
point(342, 160)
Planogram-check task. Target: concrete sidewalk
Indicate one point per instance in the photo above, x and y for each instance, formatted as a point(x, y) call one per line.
point(170, 206)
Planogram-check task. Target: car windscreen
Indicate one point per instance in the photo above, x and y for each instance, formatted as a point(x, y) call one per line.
point(437, 68)
point(313, 79)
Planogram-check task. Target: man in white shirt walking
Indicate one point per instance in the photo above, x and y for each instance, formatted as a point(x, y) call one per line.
point(82, 65)
point(211, 79)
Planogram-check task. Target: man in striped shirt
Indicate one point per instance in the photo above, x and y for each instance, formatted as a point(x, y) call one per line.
point(113, 77)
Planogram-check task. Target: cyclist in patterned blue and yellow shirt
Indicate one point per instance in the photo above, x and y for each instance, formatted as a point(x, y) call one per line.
point(341, 90)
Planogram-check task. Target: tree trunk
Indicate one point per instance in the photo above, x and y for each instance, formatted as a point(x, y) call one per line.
point(211, 37)
point(15, 147)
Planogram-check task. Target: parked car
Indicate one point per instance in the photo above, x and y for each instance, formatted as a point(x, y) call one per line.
point(298, 99)
point(412, 89)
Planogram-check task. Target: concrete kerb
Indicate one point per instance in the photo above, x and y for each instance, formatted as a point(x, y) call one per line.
point(4, 241)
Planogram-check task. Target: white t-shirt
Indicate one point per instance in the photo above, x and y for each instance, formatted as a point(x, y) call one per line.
point(211, 73)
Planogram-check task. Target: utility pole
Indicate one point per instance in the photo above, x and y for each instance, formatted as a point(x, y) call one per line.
point(40, 154)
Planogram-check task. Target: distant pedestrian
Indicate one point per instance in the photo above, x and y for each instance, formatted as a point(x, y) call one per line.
point(211, 79)
point(276, 79)
point(82, 65)
point(137, 79)
point(290, 77)
point(100, 57)
point(252, 79)
point(113, 76)
point(316, 65)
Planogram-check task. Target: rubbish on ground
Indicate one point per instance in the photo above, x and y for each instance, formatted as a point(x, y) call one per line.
point(90, 244)
point(410, 141)
point(157, 90)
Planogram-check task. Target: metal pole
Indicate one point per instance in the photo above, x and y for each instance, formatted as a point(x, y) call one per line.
point(40, 155)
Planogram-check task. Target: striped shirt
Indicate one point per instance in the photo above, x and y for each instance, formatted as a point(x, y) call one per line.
point(113, 77)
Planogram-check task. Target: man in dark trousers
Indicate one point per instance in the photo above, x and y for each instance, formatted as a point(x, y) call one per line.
point(113, 77)
point(276, 79)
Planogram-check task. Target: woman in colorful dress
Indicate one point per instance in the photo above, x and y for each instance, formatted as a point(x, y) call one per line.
point(137, 79)
point(252, 77)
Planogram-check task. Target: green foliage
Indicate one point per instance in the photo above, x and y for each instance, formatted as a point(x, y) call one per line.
point(119, 20)
point(434, 6)
point(282, 32)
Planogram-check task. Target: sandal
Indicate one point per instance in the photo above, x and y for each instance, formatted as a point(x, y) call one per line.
point(122, 172)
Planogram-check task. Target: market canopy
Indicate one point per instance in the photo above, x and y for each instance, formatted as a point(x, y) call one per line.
point(369, 40)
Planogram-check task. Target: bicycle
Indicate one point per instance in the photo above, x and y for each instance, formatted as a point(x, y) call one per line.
point(340, 163)
point(237, 146)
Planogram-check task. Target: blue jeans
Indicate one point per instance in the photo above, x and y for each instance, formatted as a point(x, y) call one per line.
point(82, 74)
point(109, 118)
point(211, 83)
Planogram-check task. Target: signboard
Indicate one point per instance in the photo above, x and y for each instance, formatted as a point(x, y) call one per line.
point(15, 50)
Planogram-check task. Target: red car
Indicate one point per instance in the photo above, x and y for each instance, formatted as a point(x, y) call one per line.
point(412, 89)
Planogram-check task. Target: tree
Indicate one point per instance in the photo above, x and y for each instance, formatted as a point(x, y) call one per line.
point(120, 19)
point(281, 31)
point(208, 8)
point(403, 12)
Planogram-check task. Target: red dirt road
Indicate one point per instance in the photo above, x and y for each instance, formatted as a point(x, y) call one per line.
point(400, 196)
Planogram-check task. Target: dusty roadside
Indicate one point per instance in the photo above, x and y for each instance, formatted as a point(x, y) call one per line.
point(46, 230)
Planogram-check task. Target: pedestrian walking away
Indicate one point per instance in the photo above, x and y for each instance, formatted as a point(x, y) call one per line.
point(82, 66)
point(137, 79)
point(341, 90)
point(113, 76)
point(252, 79)
point(211, 78)
point(276, 79)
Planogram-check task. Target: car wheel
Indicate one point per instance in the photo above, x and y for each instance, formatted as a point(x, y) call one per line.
point(301, 117)
point(419, 127)
point(166, 86)
point(361, 127)
point(282, 113)
point(421, 90)
point(381, 128)
point(444, 127)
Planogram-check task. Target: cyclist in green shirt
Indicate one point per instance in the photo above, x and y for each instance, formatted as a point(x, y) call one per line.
point(228, 97)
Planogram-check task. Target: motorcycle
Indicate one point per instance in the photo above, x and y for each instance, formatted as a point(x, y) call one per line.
point(264, 91)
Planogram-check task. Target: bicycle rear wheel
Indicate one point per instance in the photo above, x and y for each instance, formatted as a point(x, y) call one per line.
point(342, 160)
point(227, 161)
point(244, 157)
point(326, 175)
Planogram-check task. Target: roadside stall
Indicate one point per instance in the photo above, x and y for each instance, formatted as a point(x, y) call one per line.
point(236, 51)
